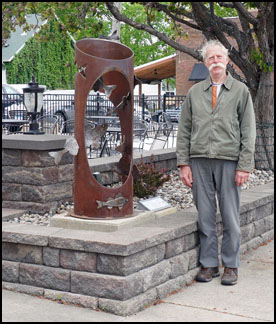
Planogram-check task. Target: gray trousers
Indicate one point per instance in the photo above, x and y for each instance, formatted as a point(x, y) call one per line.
point(211, 177)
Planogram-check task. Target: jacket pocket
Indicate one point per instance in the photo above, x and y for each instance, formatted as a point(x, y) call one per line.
point(226, 139)
point(199, 137)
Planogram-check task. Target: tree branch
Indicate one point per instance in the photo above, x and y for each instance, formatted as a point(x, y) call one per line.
point(247, 15)
point(115, 12)
point(226, 5)
point(263, 32)
point(165, 9)
point(216, 27)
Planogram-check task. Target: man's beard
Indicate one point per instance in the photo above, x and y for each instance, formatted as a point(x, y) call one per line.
point(217, 65)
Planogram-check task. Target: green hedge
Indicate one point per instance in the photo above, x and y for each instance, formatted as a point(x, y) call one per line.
point(51, 61)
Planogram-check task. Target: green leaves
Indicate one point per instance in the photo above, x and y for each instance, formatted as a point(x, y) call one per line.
point(52, 62)
point(257, 57)
point(146, 47)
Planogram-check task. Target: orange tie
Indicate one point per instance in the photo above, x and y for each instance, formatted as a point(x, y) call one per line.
point(214, 97)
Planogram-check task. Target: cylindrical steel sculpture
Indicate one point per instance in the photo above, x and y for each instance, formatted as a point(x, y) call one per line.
point(107, 66)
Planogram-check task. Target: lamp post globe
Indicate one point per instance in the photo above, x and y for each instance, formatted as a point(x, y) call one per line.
point(33, 101)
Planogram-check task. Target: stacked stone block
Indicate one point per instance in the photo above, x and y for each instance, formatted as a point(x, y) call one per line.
point(31, 181)
point(121, 272)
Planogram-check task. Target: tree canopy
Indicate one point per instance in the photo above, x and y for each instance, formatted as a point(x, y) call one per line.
point(152, 29)
point(255, 39)
point(87, 19)
point(253, 53)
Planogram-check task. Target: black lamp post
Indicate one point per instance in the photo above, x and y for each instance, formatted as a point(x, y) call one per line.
point(33, 101)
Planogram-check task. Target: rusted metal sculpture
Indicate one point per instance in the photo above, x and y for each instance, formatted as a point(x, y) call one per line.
point(106, 66)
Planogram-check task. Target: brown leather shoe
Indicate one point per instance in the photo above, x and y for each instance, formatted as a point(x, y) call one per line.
point(207, 274)
point(230, 276)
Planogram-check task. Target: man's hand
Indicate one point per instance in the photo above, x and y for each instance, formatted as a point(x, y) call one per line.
point(186, 175)
point(241, 177)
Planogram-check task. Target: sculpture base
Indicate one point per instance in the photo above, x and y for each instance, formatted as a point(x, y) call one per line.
point(65, 220)
point(73, 214)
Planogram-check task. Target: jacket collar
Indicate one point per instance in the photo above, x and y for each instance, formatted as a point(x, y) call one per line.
point(228, 82)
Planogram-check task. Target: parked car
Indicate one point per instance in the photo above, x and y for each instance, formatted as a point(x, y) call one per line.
point(12, 104)
point(138, 111)
point(173, 114)
point(62, 104)
point(11, 100)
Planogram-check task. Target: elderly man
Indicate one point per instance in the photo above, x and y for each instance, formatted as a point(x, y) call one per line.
point(215, 152)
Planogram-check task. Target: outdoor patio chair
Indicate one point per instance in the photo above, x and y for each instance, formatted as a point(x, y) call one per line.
point(68, 128)
point(18, 114)
point(108, 146)
point(15, 125)
point(48, 124)
point(161, 136)
point(168, 124)
point(6, 129)
point(140, 131)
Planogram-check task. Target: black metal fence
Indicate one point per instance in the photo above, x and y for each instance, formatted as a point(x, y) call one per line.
point(63, 106)
point(12, 102)
point(264, 149)
point(147, 108)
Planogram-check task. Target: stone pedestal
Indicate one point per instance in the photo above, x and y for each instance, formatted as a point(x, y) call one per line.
point(64, 220)
point(30, 178)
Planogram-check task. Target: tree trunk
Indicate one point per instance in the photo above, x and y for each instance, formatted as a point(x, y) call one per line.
point(264, 111)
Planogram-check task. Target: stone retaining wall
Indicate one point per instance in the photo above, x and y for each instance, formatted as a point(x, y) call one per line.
point(30, 179)
point(32, 182)
point(121, 272)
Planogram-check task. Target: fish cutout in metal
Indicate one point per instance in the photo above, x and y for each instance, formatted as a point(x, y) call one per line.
point(71, 146)
point(122, 147)
point(121, 105)
point(118, 202)
point(82, 70)
point(93, 135)
point(107, 88)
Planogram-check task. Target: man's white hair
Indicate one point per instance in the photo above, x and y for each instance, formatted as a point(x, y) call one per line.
point(212, 43)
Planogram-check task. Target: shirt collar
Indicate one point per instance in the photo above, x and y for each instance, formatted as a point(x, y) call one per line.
point(227, 83)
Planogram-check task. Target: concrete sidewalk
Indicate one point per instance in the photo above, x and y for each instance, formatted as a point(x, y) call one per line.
point(251, 300)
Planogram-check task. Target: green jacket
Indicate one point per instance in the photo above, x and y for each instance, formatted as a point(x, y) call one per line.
point(228, 133)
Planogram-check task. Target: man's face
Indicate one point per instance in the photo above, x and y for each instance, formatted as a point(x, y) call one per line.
point(216, 61)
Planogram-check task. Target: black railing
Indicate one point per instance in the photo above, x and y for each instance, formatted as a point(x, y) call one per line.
point(12, 102)
point(63, 105)
point(147, 108)
point(163, 102)
point(264, 149)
